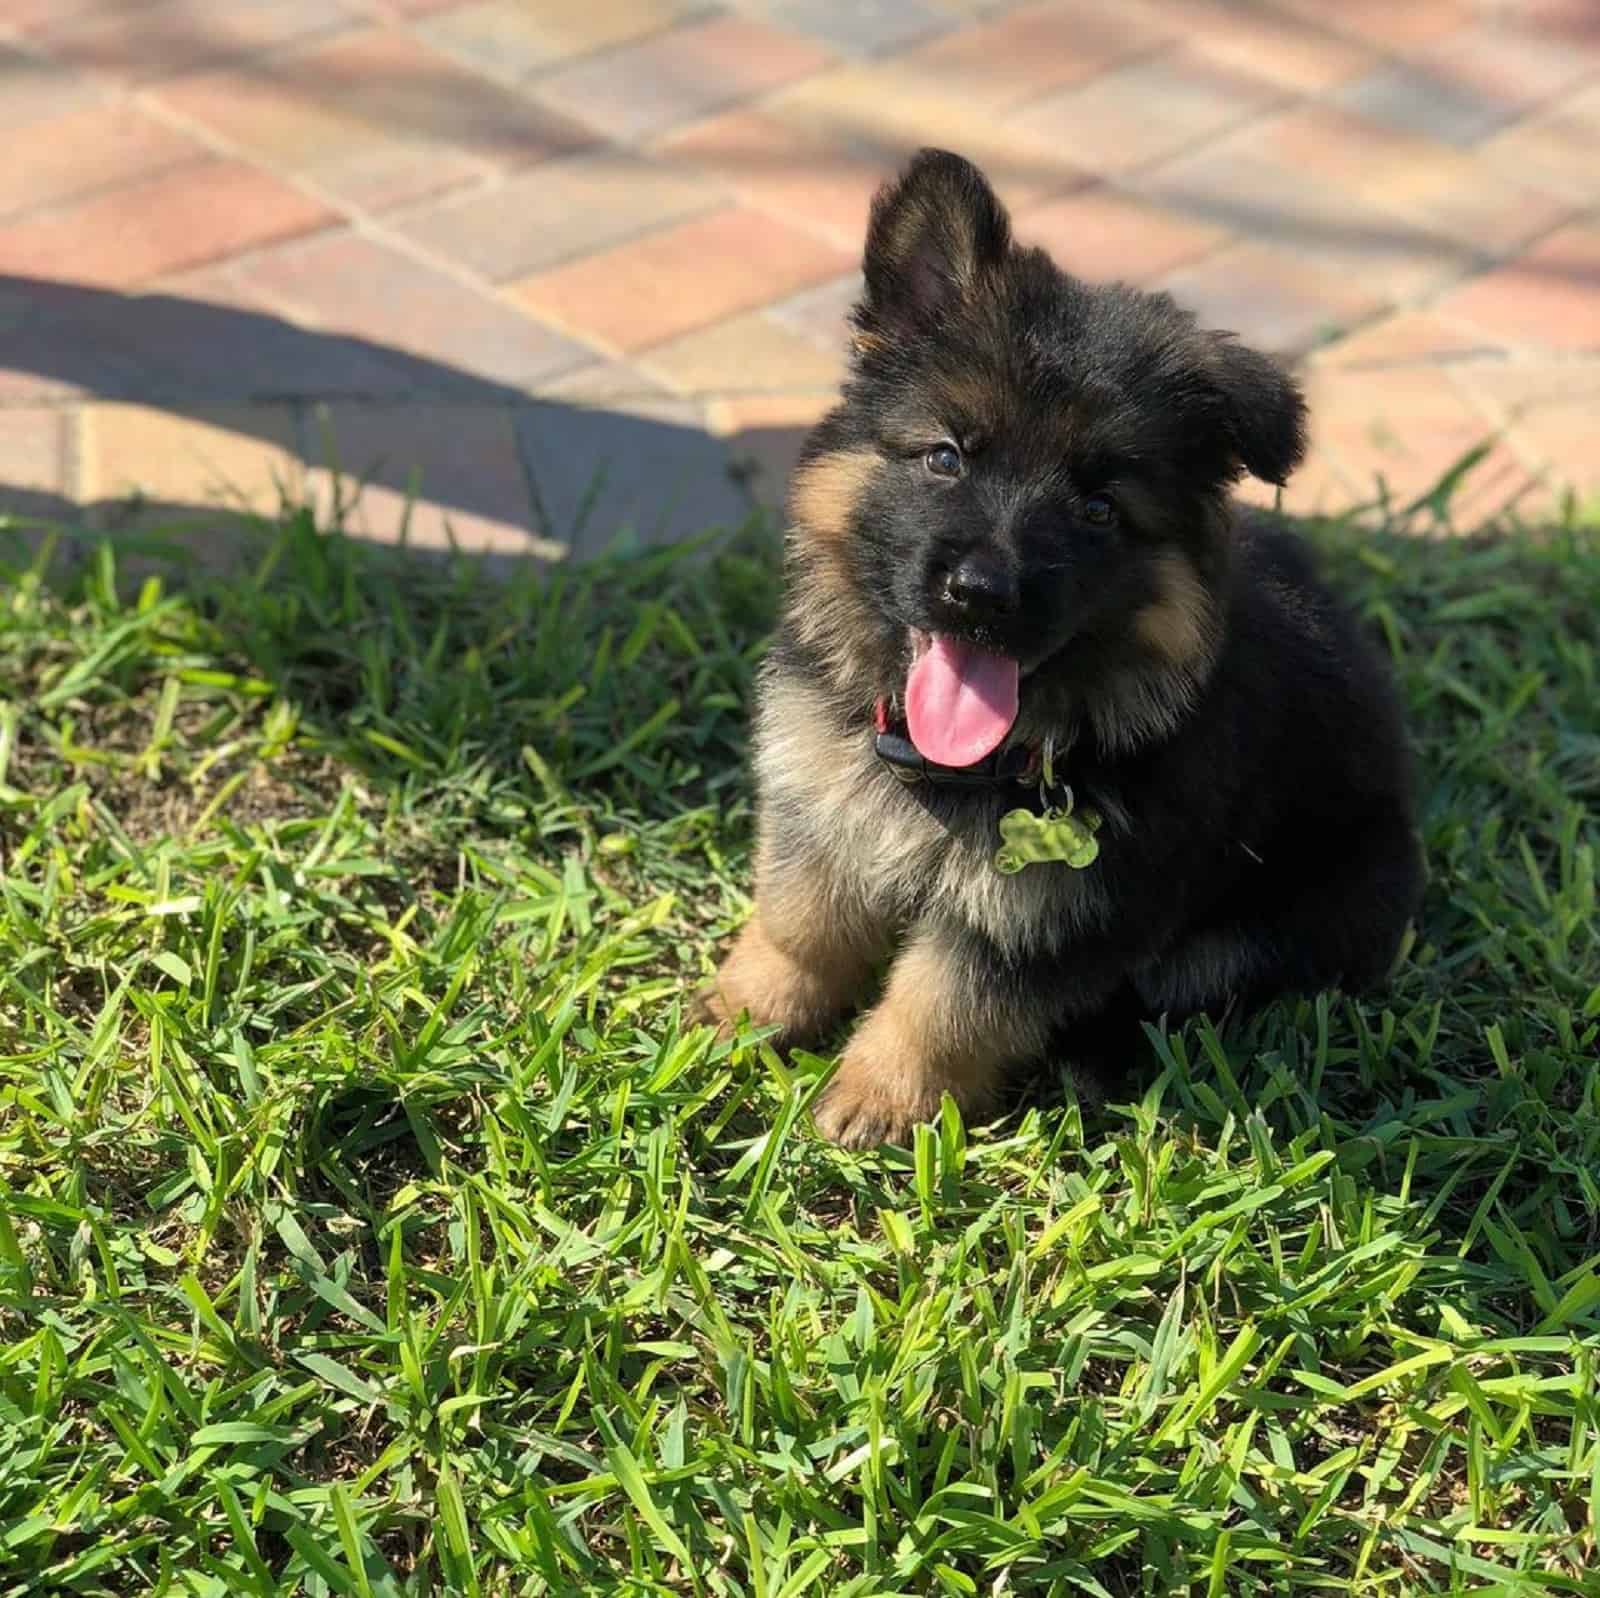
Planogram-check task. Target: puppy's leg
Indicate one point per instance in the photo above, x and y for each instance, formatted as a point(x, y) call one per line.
point(1106, 1047)
point(1334, 919)
point(955, 1014)
point(804, 956)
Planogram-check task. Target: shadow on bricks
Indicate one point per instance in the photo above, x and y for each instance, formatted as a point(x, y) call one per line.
point(175, 411)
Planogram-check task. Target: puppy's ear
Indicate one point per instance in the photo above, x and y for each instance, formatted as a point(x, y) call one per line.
point(932, 235)
point(1264, 411)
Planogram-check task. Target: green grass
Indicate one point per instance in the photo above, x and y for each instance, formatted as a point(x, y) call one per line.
point(371, 1222)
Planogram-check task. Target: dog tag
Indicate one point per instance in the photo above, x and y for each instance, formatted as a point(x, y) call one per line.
point(1030, 840)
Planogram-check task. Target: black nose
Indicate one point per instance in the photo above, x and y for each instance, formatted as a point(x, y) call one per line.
point(982, 586)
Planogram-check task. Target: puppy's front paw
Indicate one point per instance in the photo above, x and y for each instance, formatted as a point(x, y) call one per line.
point(773, 988)
point(873, 1101)
point(707, 1007)
point(857, 1118)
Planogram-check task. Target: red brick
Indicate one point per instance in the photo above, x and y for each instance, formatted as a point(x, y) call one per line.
point(95, 148)
point(168, 36)
point(412, 8)
point(394, 82)
point(1570, 22)
point(128, 235)
point(240, 457)
point(25, 15)
point(1406, 339)
point(1548, 410)
point(374, 117)
point(450, 339)
point(273, 114)
point(747, 353)
point(1385, 24)
point(1101, 234)
point(893, 107)
point(1270, 297)
point(792, 172)
point(36, 89)
point(674, 77)
point(1556, 148)
point(1256, 37)
point(514, 39)
point(1543, 41)
point(1031, 51)
point(1512, 390)
point(685, 277)
point(821, 314)
point(290, 126)
point(1470, 83)
point(1549, 296)
point(1238, 182)
point(382, 177)
point(1147, 109)
point(863, 29)
point(1559, 441)
point(1416, 178)
point(557, 210)
point(1411, 429)
point(35, 461)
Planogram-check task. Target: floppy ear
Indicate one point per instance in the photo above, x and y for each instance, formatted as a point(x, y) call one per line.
point(932, 235)
point(1263, 408)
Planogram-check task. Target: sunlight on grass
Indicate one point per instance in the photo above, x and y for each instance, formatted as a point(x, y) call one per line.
point(370, 1223)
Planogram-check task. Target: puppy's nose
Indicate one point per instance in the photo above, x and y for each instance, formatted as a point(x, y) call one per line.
point(982, 585)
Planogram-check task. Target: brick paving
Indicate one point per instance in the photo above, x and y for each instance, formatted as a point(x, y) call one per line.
point(534, 274)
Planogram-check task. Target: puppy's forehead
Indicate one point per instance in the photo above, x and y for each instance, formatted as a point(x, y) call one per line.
point(1032, 405)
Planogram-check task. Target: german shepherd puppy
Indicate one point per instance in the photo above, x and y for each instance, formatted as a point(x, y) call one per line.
point(1047, 718)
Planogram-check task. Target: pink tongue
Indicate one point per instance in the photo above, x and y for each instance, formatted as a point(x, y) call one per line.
point(960, 702)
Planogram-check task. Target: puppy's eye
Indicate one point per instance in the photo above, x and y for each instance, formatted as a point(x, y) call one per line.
point(1098, 511)
point(944, 460)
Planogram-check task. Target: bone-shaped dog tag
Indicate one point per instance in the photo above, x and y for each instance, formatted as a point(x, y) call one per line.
point(1030, 840)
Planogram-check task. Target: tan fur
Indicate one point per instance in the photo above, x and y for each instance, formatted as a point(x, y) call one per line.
point(884, 859)
point(823, 500)
point(828, 489)
point(1178, 632)
point(801, 961)
point(1180, 625)
point(935, 1031)
point(774, 988)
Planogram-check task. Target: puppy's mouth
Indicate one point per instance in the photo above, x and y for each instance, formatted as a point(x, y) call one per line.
point(961, 700)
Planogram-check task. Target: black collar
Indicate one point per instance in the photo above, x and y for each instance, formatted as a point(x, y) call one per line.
point(1006, 767)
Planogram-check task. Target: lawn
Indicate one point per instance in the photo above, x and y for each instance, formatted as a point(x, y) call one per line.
point(372, 1221)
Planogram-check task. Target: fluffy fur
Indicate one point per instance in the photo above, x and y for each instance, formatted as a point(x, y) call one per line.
point(1201, 688)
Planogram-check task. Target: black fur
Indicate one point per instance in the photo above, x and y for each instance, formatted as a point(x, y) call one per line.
point(1244, 744)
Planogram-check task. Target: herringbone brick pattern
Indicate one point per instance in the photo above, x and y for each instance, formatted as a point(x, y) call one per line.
point(532, 273)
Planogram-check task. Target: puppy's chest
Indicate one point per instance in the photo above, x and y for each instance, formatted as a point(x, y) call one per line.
point(836, 800)
point(902, 853)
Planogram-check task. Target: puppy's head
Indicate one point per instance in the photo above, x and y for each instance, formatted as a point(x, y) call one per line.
point(1018, 511)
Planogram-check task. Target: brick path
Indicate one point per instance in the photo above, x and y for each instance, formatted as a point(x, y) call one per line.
point(557, 264)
